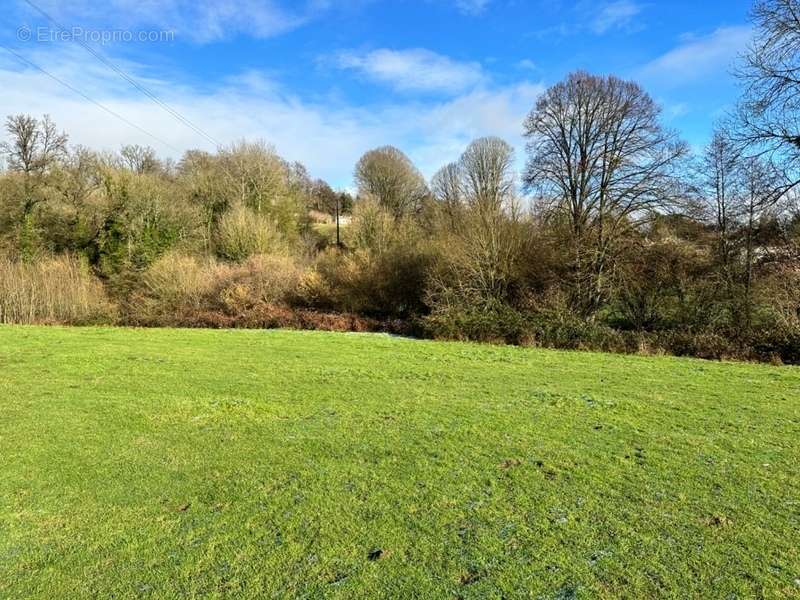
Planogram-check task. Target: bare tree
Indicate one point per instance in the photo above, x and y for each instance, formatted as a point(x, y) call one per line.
point(481, 257)
point(198, 171)
point(483, 179)
point(488, 170)
point(255, 175)
point(388, 175)
point(719, 179)
point(80, 177)
point(140, 159)
point(600, 160)
point(448, 190)
point(242, 174)
point(34, 149)
point(769, 111)
point(21, 152)
point(762, 189)
point(35, 145)
point(740, 191)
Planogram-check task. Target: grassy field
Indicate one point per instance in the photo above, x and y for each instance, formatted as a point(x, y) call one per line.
point(166, 464)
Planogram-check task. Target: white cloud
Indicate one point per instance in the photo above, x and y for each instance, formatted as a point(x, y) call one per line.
point(599, 18)
point(327, 135)
point(697, 58)
point(447, 128)
point(414, 70)
point(200, 21)
point(676, 110)
point(472, 7)
point(679, 110)
point(614, 15)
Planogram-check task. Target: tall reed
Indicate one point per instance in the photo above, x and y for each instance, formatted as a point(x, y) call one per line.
point(58, 290)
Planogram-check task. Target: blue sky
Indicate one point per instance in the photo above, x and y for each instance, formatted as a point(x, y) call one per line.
point(325, 80)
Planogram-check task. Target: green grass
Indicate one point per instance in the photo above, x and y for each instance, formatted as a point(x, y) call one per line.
point(165, 464)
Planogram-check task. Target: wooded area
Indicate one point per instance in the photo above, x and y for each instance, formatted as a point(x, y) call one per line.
point(617, 236)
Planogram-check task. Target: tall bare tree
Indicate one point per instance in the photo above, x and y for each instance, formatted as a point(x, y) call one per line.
point(741, 191)
point(482, 253)
point(769, 112)
point(600, 160)
point(254, 174)
point(719, 170)
point(761, 190)
point(448, 190)
point(487, 166)
point(388, 176)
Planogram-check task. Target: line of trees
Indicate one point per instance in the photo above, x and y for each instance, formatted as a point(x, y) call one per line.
point(616, 236)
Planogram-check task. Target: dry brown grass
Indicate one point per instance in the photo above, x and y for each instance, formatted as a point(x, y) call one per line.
point(58, 290)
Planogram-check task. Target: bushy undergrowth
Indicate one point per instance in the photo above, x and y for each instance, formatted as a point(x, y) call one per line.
point(336, 293)
point(244, 233)
point(505, 325)
point(264, 291)
point(178, 286)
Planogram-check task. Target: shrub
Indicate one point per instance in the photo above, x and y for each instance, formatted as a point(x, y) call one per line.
point(243, 233)
point(505, 324)
point(479, 264)
point(177, 287)
point(387, 283)
point(780, 343)
point(577, 334)
point(385, 272)
point(261, 279)
point(313, 290)
point(700, 344)
point(58, 290)
point(177, 281)
point(780, 290)
point(496, 323)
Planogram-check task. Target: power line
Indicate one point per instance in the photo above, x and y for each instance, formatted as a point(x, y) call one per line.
point(93, 101)
point(128, 78)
